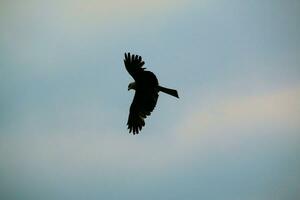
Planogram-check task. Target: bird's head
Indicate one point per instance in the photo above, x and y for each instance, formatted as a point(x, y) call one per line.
point(132, 86)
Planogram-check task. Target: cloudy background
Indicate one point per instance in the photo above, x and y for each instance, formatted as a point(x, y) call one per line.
point(232, 135)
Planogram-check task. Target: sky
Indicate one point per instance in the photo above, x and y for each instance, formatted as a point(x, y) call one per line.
point(232, 135)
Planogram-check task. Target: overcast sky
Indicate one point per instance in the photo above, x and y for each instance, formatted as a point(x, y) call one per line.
point(232, 135)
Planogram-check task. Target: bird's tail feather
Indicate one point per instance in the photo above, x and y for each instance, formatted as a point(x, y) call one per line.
point(169, 91)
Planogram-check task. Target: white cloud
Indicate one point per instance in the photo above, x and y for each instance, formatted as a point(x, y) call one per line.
point(279, 107)
point(94, 150)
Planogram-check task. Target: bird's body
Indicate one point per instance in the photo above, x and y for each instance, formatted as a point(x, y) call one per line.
point(146, 88)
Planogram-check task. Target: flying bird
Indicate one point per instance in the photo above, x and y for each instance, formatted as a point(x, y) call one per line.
point(146, 88)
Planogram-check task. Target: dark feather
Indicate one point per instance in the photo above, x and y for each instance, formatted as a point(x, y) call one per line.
point(142, 105)
point(133, 64)
point(146, 93)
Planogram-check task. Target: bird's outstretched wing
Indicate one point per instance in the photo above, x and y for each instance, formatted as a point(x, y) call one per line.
point(142, 105)
point(133, 64)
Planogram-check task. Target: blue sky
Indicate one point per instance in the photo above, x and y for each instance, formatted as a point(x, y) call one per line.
point(233, 134)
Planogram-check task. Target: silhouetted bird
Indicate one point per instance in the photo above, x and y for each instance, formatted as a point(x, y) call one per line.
point(146, 92)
